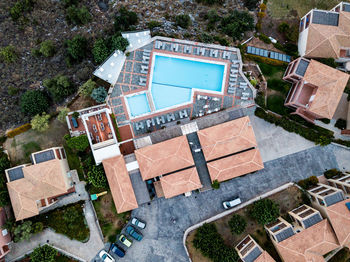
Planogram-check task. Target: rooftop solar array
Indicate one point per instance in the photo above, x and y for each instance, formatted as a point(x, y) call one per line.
point(325, 18)
point(301, 69)
point(346, 7)
point(269, 54)
point(283, 235)
point(333, 199)
point(312, 220)
point(15, 173)
point(253, 255)
point(44, 156)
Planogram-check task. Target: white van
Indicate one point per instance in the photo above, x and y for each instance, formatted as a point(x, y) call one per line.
point(231, 203)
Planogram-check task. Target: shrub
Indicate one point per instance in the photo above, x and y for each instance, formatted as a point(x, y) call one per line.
point(8, 54)
point(332, 173)
point(20, 7)
point(67, 3)
point(125, 19)
point(308, 182)
point(4, 198)
point(323, 140)
point(75, 115)
point(237, 224)
point(79, 143)
point(275, 103)
point(283, 27)
point(34, 102)
point(12, 90)
point(78, 16)
point(253, 82)
point(265, 38)
point(97, 176)
point(153, 24)
point(59, 87)
point(263, 7)
point(251, 4)
point(40, 122)
point(264, 211)
point(100, 50)
point(18, 130)
point(37, 227)
point(45, 253)
point(63, 111)
point(236, 24)
point(341, 124)
point(261, 14)
point(266, 60)
point(77, 48)
point(325, 120)
point(4, 162)
point(183, 20)
point(221, 40)
point(260, 99)
point(118, 43)
point(206, 38)
point(87, 88)
point(22, 231)
point(99, 94)
point(215, 184)
point(47, 48)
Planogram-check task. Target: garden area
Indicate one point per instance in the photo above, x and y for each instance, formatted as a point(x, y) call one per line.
point(216, 241)
point(46, 253)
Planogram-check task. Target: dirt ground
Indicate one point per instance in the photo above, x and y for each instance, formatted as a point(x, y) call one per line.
point(287, 200)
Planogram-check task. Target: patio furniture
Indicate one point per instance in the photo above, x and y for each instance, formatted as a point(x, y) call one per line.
point(244, 98)
point(174, 47)
point(216, 99)
point(142, 81)
point(94, 128)
point(183, 114)
point(102, 127)
point(97, 139)
point(160, 120)
point(139, 125)
point(226, 55)
point(170, 117)
point(187, 49)
point(150, 122)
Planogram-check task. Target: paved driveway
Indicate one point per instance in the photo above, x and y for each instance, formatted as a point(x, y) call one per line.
point(167, 219)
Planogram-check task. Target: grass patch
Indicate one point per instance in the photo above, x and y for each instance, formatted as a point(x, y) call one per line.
point(278, 85)
point(30, 148)
point(275, 103)
point(74, 162)
point(270, 71)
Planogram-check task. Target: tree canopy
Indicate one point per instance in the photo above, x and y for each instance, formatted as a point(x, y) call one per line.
point(237, 23)
point(125, 19)
point(34, 102)
point(99, 94)
point(97, 176)
point(87, 88)
point(79, 143)
point(264, 211)
point(77, 48)
point(44, 253)
point(59, 87)
point(40, 122)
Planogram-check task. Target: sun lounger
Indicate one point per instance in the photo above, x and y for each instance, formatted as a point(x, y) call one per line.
point(150, 122)
point(183, 114)
point(202, 51)
point(187, 49)
point(98, 139)
point(217, 109)
point(226, 55)
point(170, 117)
point(216, 99)
point(245, 94)
point(160, 120)
point(244, 98)
point(206, 106)
point(174, 47)
point(139, 125)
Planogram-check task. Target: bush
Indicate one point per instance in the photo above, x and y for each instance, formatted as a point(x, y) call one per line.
point(77, 48)
point(4, 198)
point(100, 50)
point(97, 176)
point(47, 48)
point(78, 16)
point(124, 20)
point(18, 130)
point(87, 88)
point(332, 173)
point(206, 38)
point(20, 7)
point(59, 87)
point(236, 24)
point(266, 60)
point(153, 24)
point(79, 143)
point(325, 120)
point(308, 182)
point(8, 54)
point(341, 124)
point(22, 231)
point(323, 140)
point(118, 43)
point(278, 85)
point(275, 103)
point(99, 94)
point(63, 111)
point(237, 224)
point(264, 211)
point(251, 4)
point(222, 41)
point(283, 27)
point(45, 253)
point(215, 184)
point(40, 122)
point(265, 38)
point(34, 102)
point(67, 3)
point(260, 99)
point(183, 20)
point(4, 163)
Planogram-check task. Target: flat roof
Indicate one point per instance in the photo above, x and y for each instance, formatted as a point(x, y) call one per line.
point(180, 182)
point(325, 18)
point(165, 157)
point(235, 165)
point(227, 138)
point(99, 128)
point(120, 184)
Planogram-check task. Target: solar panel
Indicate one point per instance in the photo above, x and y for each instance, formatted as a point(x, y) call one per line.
point(332, 199)
point(280, 56)
point(249, 49)
point(325, 18)
point(44, 156)
point(261, 53)
point(253, 255)
point(312, 220)
point(287, 233)
point(272, 55)
point(302, 66)
point(253, 50)
point(346, 7)
point(15, 173)
point(266, 53)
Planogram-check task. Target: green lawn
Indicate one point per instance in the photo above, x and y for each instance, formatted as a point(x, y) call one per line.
point(281, 8)
point(275, 103)
point(270, 71)
point(30, 148)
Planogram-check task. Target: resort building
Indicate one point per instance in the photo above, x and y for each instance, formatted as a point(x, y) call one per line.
point(324, 196)
point(249, 251)
point(309, 238)
point(5, 237)
point(324, 34)
point(316, 88)
point(34, 187)
point(341, 182)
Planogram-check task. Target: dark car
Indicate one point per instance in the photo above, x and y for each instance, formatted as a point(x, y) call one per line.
point(117, 250)
point(133, 233)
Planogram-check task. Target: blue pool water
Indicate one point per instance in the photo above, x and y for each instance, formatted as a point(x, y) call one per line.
point(138, 105)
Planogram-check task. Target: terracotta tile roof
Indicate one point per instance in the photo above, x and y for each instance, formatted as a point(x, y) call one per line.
point(227, 138)
point(40, 181)
point(235, 165)
point(309, 245)
point(331, 84)
point(264, 257)
point(164, 157)
point(120, 184)
point(180, 182)
point(339, 216)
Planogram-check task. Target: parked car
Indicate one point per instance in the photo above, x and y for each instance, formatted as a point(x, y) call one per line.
point(125, 241)
point(105, 256)
point(231, 203)
point(132, 232)
point(117, 250)
point(135, 221)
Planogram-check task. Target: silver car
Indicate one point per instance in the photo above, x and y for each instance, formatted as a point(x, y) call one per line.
point(231, 203)
point(135, 221)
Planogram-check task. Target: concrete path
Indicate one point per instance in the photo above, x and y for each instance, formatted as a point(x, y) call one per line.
point(84, 251)
point(163, 237)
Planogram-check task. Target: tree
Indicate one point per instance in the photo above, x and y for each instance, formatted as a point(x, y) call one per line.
point(78, 16)
point(4, 198)
point(283, 27)
point(323, 140)
point(44, 253)
point(23, 231)
point(308, 182)
point(100, 50)
point(332, 173)
point(236, 24)
point(4, 162)
point(63, 111)
point(87, 88)
point(40, 122)
point(37, 227)
point(8, 54)
point(118, 43)
point(237, 224)
point(77, 48)
point(59, 87)
point(125, 19)
point(20, 7)
point(34, 102)
point(264, 211)
point(97, 176)
point(210, 2)
point(71, 214)
point(183, 20)
point(99, 94)
point(341, 124)
point(47, 48)
point(79, 143)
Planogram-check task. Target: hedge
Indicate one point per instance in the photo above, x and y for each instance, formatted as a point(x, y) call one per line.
point(266, 60)
point(332, 173)
point(308, 182)
point(18, 130)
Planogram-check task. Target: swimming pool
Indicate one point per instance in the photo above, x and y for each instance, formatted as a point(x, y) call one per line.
point(138, 105)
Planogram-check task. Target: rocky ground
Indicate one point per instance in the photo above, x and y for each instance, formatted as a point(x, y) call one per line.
point(47, 22)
